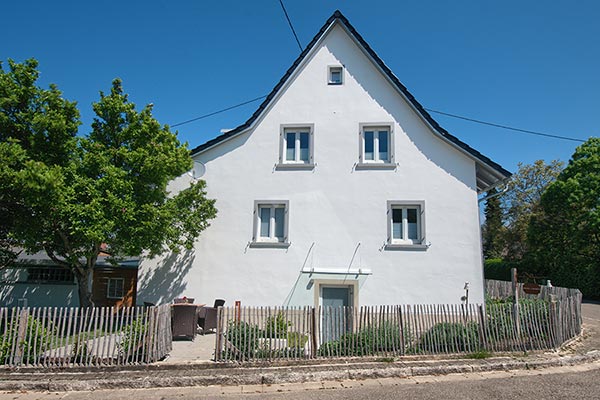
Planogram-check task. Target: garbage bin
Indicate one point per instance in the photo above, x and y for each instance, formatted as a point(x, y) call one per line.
point(184, 321)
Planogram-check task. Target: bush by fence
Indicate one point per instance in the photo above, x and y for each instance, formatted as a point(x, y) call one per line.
point(264, 334)
point(72, 336)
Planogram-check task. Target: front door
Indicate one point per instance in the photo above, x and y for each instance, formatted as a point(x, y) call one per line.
point(336, 315)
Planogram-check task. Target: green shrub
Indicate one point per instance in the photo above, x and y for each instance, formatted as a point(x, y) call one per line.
point(296, 340)
point(33, 345)
point(500, 320)
point(451, 338)
point(289, 352)
point(243, 340)
point(276, 326)
point(132, 337)
point(80, 351)
point(386, 337)
point(499, 269)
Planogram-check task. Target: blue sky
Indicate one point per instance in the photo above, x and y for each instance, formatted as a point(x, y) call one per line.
point(529, 64)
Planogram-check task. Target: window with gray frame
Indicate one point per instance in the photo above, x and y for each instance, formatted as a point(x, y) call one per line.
point(335, 75)
point(406, 223)
point(115, 288)
point(271, 223)
point(296, 146)
point(376, 146)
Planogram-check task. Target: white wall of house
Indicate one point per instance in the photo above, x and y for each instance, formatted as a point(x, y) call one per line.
point(338, 210)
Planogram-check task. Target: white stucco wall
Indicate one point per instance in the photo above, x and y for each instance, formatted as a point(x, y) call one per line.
point(334, 206)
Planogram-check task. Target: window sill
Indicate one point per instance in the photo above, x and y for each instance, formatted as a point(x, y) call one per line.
point(406, 247)
point(383, 166)
point(271, 245)
point(294, 166)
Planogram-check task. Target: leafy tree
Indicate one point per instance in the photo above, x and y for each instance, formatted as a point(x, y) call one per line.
point(521, 202)
point(493, 228)
point(37, 135)
point(565, 237)
point(107, 191)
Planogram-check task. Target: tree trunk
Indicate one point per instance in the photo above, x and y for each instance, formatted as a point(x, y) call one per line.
point(85, 291)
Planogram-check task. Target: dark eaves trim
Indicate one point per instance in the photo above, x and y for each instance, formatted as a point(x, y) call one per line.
point(337, 15)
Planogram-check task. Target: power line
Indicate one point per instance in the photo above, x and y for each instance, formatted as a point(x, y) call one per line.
point(428, 109)
point(218, 112)
point(505, 126)
point(290, 23)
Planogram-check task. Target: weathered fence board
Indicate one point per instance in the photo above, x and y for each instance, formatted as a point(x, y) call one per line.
point(47, 336)
point(265, 334)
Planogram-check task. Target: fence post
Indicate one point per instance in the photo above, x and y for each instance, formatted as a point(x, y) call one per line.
point(483, 330)
point(150, 336)
point(21, 332)
point(313, 332)
point(554, 318)
point(219, 334)
point(516, 316)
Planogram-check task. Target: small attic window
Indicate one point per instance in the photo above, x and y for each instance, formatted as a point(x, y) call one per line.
point(335, 75)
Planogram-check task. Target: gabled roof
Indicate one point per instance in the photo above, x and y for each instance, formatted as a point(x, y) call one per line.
point(489, 173)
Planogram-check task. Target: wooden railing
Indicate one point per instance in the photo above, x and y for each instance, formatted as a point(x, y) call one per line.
point(292, 333)
point(50, 336)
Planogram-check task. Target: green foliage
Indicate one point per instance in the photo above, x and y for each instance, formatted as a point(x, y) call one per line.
point(499, 269)
point(37, 134)
point(69, 195)
point(244, 339)
point(32, 346)
point(131, 340)
point(80, 351)
point(565, 238)
point(499, 313)
point(296, 340)
point(521, 203)
point(492, 229)
point(368, 341)
point(276, 326)
point(450, 337)
point(479, 355)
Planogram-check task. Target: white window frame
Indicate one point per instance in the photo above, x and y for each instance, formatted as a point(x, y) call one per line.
point(297, 163)
point(271, 240)
point(376, 163)
point(330, 70)
point(405, 242)
point(110, 295)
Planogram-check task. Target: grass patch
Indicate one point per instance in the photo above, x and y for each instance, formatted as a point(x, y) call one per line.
point(385, 359)
point(479, 355)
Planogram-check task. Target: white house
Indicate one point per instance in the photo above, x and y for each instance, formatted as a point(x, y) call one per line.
point(340, 189)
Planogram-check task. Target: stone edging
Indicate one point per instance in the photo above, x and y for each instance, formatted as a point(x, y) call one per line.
point(179, 377)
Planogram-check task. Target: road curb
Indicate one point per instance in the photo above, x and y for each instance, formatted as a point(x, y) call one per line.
point(156, 377)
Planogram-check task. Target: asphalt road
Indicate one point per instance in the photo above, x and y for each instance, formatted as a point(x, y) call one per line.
point(579, 382)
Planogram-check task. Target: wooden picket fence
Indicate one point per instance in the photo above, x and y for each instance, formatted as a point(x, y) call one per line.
point(266, 334)
point(503, 289)
point(51, 336)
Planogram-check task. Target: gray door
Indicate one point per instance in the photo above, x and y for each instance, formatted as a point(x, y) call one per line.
point(336, 316)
